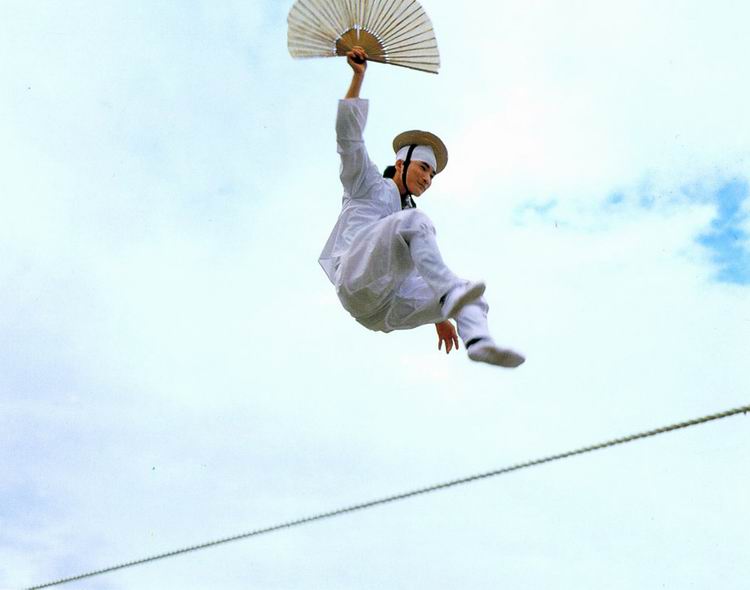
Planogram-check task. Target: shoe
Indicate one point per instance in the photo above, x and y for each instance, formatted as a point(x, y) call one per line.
point(460, 296)
point(486, 351)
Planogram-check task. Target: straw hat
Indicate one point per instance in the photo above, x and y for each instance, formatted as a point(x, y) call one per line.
point(417, 137)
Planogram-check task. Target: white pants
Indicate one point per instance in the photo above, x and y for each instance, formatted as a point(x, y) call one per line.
point(393, 277)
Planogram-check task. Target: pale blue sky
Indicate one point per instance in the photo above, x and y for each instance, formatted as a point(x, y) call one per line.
point(177, 368)
point(727, 238)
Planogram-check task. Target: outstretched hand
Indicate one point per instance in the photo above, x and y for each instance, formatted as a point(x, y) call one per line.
point(447, 334)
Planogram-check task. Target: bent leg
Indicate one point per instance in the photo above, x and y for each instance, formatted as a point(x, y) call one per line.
point(414, 304)
point(384, 254)
point(417, 230)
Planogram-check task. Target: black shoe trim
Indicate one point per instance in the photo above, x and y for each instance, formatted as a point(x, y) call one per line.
point(473, 341)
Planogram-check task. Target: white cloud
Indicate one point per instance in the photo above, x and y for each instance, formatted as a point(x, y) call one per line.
point(577, 100)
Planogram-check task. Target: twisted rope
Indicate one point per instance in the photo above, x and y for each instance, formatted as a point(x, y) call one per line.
point(405, 495)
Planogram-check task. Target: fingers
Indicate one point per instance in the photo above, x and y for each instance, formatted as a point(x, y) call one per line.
point(357, 55)
point(452, 338)
point(447, 334)
point(359, 52)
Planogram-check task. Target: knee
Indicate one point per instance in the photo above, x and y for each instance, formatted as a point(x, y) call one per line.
point(414, 220)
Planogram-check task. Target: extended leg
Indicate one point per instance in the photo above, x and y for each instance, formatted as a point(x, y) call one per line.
point(472, 327)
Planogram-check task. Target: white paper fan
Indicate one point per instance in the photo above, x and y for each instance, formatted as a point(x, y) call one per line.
point(396, 32)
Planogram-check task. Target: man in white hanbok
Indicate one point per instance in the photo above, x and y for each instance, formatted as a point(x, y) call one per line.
point(382, 255)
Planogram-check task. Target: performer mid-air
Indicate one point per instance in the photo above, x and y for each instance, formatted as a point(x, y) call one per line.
point(382, 255)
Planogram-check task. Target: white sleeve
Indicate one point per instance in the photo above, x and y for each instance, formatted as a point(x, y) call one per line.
point(357, 172)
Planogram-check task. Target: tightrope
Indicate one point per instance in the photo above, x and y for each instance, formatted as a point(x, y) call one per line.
point(402, 496)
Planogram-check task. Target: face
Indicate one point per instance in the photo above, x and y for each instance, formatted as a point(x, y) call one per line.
point(418, 177)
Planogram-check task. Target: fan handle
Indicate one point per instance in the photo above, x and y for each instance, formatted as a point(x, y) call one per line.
point(364, 39)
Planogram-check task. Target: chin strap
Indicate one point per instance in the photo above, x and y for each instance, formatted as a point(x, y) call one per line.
point(406, 200)
point(406, 167)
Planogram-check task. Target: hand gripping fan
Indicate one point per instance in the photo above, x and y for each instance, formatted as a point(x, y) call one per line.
point(396, 32)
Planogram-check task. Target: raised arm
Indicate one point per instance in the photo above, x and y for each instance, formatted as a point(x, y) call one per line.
point(357, 59)
point(357, 173)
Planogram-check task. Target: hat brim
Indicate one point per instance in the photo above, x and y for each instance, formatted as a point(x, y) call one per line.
point(417, 137)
